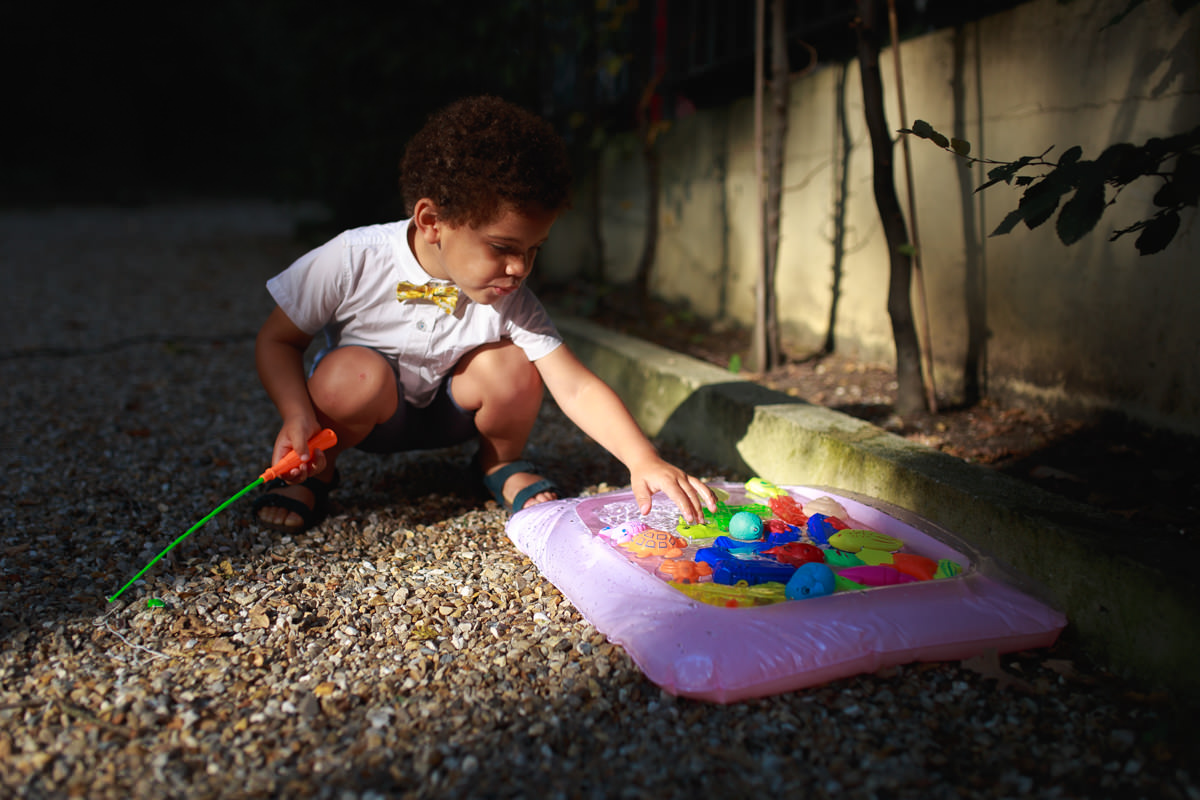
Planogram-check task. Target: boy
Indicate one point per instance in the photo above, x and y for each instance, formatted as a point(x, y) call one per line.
point(432, 338)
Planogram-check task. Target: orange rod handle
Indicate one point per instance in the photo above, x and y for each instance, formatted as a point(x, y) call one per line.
point(322, 441)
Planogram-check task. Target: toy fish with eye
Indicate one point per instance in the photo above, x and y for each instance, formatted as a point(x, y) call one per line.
point(853, 540)
point(701, 530)
point(683, 571)
point(651, 542)
point(796, 553)
point(763, 488)
point(619, 534)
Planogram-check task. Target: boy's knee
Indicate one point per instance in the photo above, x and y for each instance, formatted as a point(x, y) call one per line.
point(498, 373)
point(514, 370)
point(351, 379)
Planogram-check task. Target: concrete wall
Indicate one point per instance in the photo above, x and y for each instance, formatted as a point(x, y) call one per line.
point(1091, 325)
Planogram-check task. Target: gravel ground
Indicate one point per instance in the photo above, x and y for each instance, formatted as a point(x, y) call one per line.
point(403, 647)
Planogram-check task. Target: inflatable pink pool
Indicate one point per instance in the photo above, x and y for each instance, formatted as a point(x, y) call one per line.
point(713, 616)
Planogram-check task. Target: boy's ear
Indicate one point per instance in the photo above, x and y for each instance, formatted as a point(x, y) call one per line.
point(425, 217)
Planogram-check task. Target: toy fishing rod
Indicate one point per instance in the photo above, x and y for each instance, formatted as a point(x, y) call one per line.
point(322, 441)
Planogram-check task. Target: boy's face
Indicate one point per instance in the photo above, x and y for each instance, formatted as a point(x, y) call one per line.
point(490, 261)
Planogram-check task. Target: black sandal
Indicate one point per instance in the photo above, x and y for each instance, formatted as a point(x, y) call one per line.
point(308, 516)
point(494, 483)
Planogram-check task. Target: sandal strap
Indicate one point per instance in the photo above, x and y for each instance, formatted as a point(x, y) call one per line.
point(537, 487)
point(494, 482)
point(307, 515)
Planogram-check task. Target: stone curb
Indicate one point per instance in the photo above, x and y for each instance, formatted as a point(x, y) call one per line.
point(1134, 610)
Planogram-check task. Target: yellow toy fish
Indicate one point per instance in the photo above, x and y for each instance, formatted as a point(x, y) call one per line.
point(853, 540)
point(740, 595)
point(763, 488)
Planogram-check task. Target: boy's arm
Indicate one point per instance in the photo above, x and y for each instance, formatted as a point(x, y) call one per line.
point(598, 411)
point(279, 358)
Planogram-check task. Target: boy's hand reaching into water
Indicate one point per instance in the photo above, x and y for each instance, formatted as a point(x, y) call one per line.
point(688, 492)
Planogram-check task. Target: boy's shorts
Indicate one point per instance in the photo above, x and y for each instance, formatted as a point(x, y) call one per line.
point(442, 423)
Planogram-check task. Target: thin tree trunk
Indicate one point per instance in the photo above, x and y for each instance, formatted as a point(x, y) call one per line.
point(918, 257)
point(593, 271)
point(975, 275)
point(768, 352)
point(648, 130)
point(650, 242)
point(776, 144)
point(841, 195)
point(910, 395)
point(758, 342)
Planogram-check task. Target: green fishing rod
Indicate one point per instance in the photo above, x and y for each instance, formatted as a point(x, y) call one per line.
point(322, 441)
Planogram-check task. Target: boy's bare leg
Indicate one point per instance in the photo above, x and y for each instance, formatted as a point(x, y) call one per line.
point(503, 388)
point(352, 389)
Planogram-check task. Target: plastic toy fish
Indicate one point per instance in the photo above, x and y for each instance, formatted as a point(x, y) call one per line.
point(761, 510)
point(720, 518)
point(736, 547)
point(876, 576)
point(947, 569)
point(821, 527)
point(796, 553)
point(702, 530)
point(651, 542)
point(751, 571)
point(787, 509)
point(853, 540)
point(840, 558)
point(684, 571)
point(738, 596)
point(810, 580)
point(745, 526)
point(778, 526)
point(763, 488)
point(827, 506)
point(919, 567)
point(619, 534)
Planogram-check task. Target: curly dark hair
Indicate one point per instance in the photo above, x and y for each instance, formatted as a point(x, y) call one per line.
point(481, 155)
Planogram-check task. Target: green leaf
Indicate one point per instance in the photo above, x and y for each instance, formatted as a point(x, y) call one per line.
point(923, 129)
point(940, 140)
point(1158, 233)
point(1081, 213)
point(906, 249)
point(735, 363)
point(1005, 172)
point(997, 174)
point(961, 146)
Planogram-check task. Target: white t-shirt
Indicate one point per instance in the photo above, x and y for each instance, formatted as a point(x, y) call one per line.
point(347, 287)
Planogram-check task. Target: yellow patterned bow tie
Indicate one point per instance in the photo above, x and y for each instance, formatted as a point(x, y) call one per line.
point(444, 294)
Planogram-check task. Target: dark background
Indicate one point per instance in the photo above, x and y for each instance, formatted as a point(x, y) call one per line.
point(135, 102)
point(138, 102)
